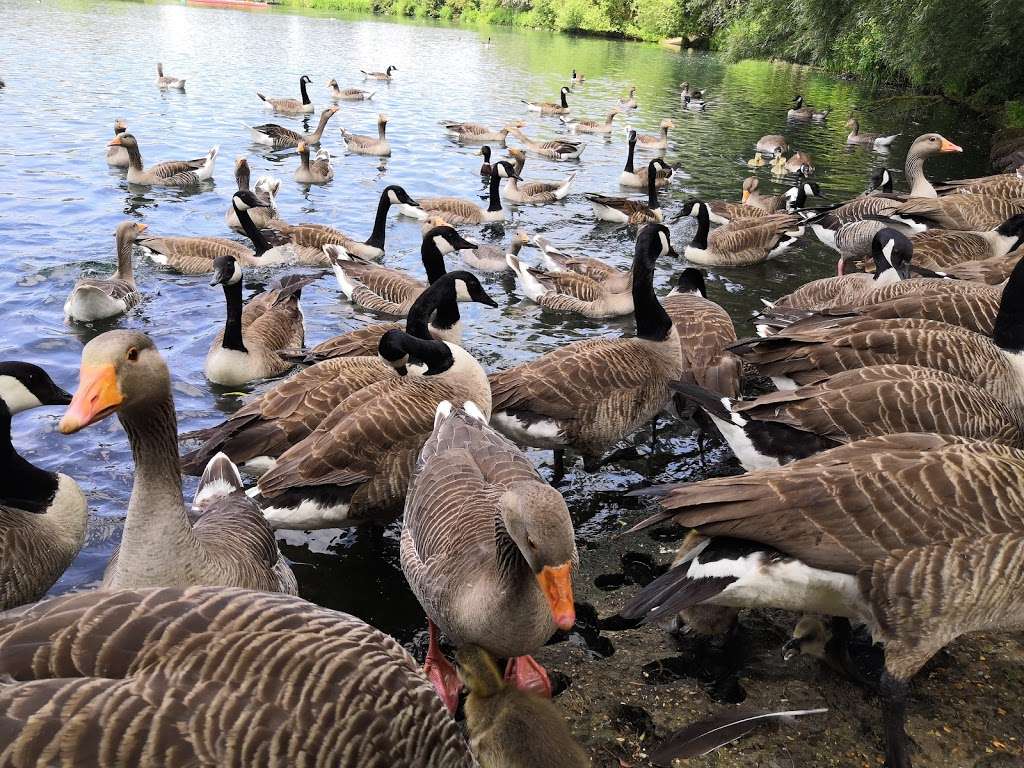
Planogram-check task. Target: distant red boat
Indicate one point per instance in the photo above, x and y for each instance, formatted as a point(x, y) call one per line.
point(230, 3)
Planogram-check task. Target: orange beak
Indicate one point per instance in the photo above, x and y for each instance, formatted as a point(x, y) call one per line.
point(746, 194)
point(949, 146)
point(97, 397)
point(141, 227)
point(114, 142)
point(556, 584)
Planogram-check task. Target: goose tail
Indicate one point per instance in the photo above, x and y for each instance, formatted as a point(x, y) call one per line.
point(220, 479)
point(529, 284)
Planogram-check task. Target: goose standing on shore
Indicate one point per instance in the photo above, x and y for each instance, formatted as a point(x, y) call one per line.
point(292, 106)
point(368, 145)
point(248, 348)
point(171, 173)
point(279, 137)
point(482, 528)
point(99, 298)
point(590, 394)
point(42, 514)
point(549, 107)
point(315, 171)
point(385, 75)
point(230, 545)
point(117, 156)
point(456, 210)
point(348, 94)
point(266, 191)
point(166, 82)
point(624, 210)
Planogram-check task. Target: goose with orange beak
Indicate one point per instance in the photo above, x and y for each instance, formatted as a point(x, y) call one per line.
point(488, 548)
point(231, 545)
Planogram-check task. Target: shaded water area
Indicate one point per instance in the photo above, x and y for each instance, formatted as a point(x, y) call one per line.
point(72, 67)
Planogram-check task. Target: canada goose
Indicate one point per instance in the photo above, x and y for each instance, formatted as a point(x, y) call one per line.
point(623, 210)
point(42, 514)
point(165, 82)
point(310, 238)
point(485, 166)
point(355, 466)
point(779, 427)
point(608, 277)
point(292, 106)
point(279, 243)
point(629, 102)
point(1007, 151)
point(589, 394)
point(799, 112)
point(475, 132)
point(317, 171)
point(940, 249)
point(582, 125)
point(531, 188)
point(455, 210)
point(193, 255)
point(874, 140)
point(960, 212)
point(556, 149)
point(577, 77)
point(742, 242)
point(117, 156)
point(348, 94)
point(754, 205)
point(98, 298)
point(385, 75)
point(248, 347)
point(656, 142)
point(548, 107)
point(279, 137)
point(270, 423)
point(794, 358)
point(637, 177)
point(891, 252)
point(583, 295)
point(705, 330)
point(173, 173)
point(393, 291)
point(184, 645)
point(230, 544)
point(696, 105)
point(367, 145)
point(493, 258)
point(457, 558)
point(768, 144)
point(266, 190)
point(854, 533)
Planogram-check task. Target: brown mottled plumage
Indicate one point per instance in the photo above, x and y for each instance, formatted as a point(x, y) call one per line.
point(212, 678)
point(741, 242)
point(194, 255)
point(965, 212)
point(279, 137)
point(172, 173)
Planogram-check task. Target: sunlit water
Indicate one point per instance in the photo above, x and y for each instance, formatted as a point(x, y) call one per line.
point(71, 68)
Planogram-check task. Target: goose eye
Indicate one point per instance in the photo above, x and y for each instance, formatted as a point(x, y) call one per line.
point(531, 543)
point(132, 354)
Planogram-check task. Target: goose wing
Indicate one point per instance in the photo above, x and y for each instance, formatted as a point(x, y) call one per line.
point(119, 290)
point(311, 235)
point(705, 330)
point(32, 554)
point(279, 133)
point(169, 168)
point(967, 212)
point(194, 255)
point(751, 244)
point(354, 343)
point(454, 209)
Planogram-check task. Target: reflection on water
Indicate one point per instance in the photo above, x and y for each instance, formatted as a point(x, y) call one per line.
point(73, 67)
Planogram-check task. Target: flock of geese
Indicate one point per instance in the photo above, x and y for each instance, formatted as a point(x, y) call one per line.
point(884, 477)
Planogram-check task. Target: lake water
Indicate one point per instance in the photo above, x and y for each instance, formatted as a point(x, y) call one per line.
point(72, 67)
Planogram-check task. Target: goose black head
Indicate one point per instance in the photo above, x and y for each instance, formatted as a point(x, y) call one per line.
point(654, 241)
point(226, 271)
point(691, 280)
point(632, 136)
point(505, 170)
point(396, 194)
point(1013, 227)
point(305, 79)
point(446, 240)
point(890, 248)
point(693, 207)
point(24, 386)
point(243, 200)
point(485, 150)
point(474, 287)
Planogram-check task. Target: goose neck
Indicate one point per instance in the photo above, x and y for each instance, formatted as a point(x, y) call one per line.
point(259, 242)
point(433, 260)
point(494, 194)
point(652, 187)
point(22, 484)
point(376, 238)
point(134, 156)
point(233, 323)
point(435, 354)
point(914, 169)
point(652, 321)
point(242, 177)
point(629, 158)
point(382, 129)
point(125, 243)
point(700, 237)
point(305, 95)
point(314, 137)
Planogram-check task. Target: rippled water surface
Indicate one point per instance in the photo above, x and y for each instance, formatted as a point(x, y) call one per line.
point(71, 68)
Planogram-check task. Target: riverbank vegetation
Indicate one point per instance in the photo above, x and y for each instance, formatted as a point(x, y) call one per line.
point(967, 52)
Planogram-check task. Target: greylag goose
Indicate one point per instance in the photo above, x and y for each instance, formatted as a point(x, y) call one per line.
point(589, 394)
point(560, 107)
point(266, 189)
point(117, 156)
point(279, 137)
point(315, 171)
point(173, 173)
point(42, 514)
point(249, 346)
point(741, 242)
point(455, 210)
point(165, 82)
point(554, 149)
point(534, 191)
point(95, 298)
point(646, 141)
point(629, 103)
point(854, 533)
point(354, 467)
point(874, 140)
point(769, 144)
point(475, 132)
point(214, 647)
point(481, 527)
point(230, 545)
point(348, 94)
point(291, 106)
point(369, 145)
point(270, 423)
point(582, 125)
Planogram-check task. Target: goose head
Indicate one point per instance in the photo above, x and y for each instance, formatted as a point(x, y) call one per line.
point(121, 371)
point(120, 126)
point(1013, 227)
point(382, 119)
point(474, 288)
point(749, 187)
point(226, 271)
point(504, 170)
point(631, 135)
point(305, 79)
point(654, 241)
point(485, 150)
point(694, 208)
point(125, 140)
point(537, 520)
point(128, 232)
point(433, 221)
point(332, 83)
point(809, 638)
point(565, 90)
point(890, 248)
point(881, 179)
point(798, 101)
point(398, 196)
point(447, 240)
point(934, 143)
point(392, 69)
point(243, 200)
point(24, 386)
point(690, 281)
point(667, 123)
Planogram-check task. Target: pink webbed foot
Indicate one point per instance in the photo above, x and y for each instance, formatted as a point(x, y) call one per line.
point(441, 673)
point(527, 675)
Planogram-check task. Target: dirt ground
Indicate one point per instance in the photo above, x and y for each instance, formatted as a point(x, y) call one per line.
point(965, 710)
